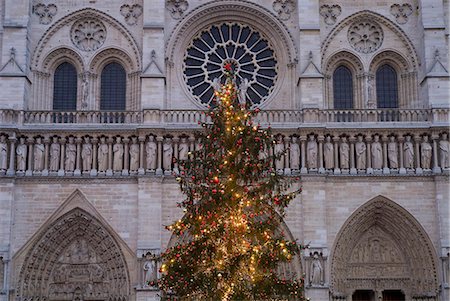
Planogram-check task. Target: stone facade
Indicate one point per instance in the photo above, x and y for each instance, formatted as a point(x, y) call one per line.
point(85, 193)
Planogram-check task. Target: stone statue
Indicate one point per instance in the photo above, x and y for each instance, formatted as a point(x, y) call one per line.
point(150, 150)
point(392, 153)
point(21, 155)
point(278, 150)
point(408, 152)
point(71, 154)
point(316, 275)
point(360, 149)
point(55, 152)
point(150, 272)
point(39, 149)
point(183, 149)
point(263, 153)
point(167, 154)
point(86, 154)
point(444, 148)
point(102, 155)
point(295, 154)
point(243, 91)
point(311, 148)
point(85, 91)
point(426, 151)
point(134, 154)
point(344, 153)
point(118, 154)
point(3, 153)
point(328, 153)
point(377, 153)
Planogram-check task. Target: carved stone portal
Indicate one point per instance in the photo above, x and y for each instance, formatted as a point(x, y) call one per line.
point(75, 259)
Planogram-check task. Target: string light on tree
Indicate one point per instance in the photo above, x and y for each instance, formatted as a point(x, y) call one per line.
point(233, 209)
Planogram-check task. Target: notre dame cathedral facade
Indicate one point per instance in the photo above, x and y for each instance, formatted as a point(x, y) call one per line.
point(98, 97)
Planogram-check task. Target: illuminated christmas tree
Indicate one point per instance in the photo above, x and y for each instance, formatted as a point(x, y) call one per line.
point(230, 238)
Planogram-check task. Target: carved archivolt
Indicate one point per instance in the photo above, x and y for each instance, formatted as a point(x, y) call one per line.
point(392, 57)
point(346, 58)
point(112, 54)
point(365, 36)
point(76, 258)
point(382, 246)
point(61, 55)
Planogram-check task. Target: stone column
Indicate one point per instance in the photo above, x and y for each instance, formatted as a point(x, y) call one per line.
point(175, 142)
point(417, 140)
point(321, 138)
point(436, 168)
point(12, 155)
point(369, 168)
point(337, 170)
point(109, 171)
point(94, 156)
point(77, 171)
point(126, 157)
point(287, 167)
point(141, 169)
point(353, 170)
point(402, 169)
point(159, 170)
point(29, 171)
point(303, 154)
point(46, 154)
point(384, 140)
point(62, 141)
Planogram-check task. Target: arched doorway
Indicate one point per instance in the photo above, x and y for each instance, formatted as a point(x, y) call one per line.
point(75, 258)
point(383, 253)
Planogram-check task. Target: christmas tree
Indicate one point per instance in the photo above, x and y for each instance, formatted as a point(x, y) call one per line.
point(233, 208)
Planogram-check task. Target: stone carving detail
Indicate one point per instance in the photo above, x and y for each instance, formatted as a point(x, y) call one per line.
point(131, 13)
point(284, 8)
point(426, 152)
point(2, 271)
point(134, 154)
point(88, 34)
point(102, 155)
point(86, 154)
point(39, 149)
point(316, 270)
point(177, 8)
point(328, 153)
point(344, 153)
point(392, 153)
point(167, 154)
point(71, 154)
point(360, 149)
point(401, 12)
point(278, 150)
point(150, 150)
point(377, 153)
point(444, 148)
point(311, 156)
point(294, 150)
point(183, 149)
point(85, 264)
point(55, 152)
point(118, 154)
point(365, 36)
point(3, 153)
point(45, 12)
point(21, 155)
point(408, 153)
point(330, 13)
point(149, 269)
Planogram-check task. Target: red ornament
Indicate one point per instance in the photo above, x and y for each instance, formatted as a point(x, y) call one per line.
point(227, 67)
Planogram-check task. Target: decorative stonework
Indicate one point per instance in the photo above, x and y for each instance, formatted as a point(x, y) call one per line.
point(365, 36)
point(177, 8)
point(401, 12)
point(284, 8)
point(131, 13)
point(85, 264)
point(330, 13)
point(88, 34)
point(248, 52)
point(45, 12)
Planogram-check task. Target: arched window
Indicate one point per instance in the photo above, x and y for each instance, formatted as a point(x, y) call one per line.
point(65, 88)
point(113, 87)
point(343, 88)
point(387, 88)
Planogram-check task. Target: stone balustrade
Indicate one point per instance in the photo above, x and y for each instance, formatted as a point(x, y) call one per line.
point(152, 152)
point(174, 117)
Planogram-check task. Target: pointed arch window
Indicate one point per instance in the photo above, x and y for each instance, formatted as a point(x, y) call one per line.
point(387, 87)
point(113, 88)
point(65, 88)
point(343, 88)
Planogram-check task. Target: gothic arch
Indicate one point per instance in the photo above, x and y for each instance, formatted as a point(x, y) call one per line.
point(60, 55)
point(289, 270)
point(74, 255)
point(245, 12)
point(382, 246)
point(106, 56)
point(349, 60)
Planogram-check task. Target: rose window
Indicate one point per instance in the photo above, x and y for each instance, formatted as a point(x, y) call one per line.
point(88, 34)
point(365, 36)
point(249, 54)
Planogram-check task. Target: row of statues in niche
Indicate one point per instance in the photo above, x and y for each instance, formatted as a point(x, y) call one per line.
point(156, 154)
point(361, 153)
